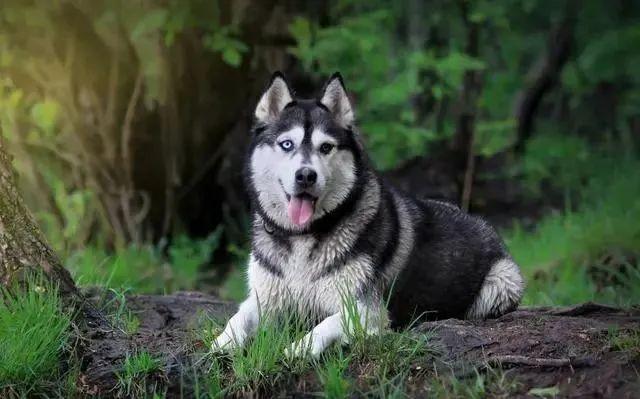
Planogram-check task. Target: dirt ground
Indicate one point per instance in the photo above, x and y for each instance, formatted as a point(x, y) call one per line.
point(570, 348)
point(578, 350)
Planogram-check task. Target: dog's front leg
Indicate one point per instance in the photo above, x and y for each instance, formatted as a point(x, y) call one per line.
point(317, 340)
point(240, 327)
point(338, 327)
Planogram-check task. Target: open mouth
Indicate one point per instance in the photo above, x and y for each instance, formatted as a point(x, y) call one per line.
point(301, 208)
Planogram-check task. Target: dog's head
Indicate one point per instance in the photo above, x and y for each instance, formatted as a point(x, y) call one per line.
point(305, 157)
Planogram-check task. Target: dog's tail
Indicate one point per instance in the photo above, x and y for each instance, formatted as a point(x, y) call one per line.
point(500, 293)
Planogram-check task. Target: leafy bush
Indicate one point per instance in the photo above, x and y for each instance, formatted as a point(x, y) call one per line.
point(382, 98)
point(143, 268)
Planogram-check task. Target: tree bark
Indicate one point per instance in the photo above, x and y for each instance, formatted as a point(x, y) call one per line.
point(545, 78)
point(23, 248)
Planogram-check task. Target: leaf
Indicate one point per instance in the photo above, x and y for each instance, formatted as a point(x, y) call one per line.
point(545, 392)
point(300, 29)
point(230, 48)
point(452, 67)
point(611, 54)
point(45, 115)
point(151, 22)
point(232, 56)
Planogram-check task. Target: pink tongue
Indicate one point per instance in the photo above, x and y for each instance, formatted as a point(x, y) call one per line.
point(300, 210)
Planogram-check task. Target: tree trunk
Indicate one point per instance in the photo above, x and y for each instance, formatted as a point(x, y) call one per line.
point(23, 248)
point(546, 76)
point(463, 141)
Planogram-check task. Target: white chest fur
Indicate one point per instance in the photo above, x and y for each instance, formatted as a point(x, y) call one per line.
point(313, 277)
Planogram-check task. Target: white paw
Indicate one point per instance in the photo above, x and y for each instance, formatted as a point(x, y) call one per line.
point(224, 344)
point(295, 351)
point(303, 348)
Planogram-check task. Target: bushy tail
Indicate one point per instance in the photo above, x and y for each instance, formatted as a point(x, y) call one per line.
point(500, 293)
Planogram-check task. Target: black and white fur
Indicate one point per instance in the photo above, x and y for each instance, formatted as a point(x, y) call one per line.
point(365, 239)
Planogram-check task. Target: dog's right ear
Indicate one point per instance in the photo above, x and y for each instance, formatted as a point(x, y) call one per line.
point(335, 98)
point(273, 100)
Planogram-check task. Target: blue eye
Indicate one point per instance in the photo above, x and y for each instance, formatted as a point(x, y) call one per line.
point(286, 145)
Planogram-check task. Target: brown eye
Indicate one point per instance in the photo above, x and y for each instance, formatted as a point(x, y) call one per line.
point(326, 148)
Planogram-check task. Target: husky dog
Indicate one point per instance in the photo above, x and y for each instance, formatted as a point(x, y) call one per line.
point(325, 225)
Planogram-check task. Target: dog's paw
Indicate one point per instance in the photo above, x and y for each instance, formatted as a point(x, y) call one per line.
point(295, 351)
point(303, 348)
point(224, 344)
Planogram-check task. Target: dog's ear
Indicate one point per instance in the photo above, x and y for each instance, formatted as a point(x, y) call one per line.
point(334, 97)
point(274, 99)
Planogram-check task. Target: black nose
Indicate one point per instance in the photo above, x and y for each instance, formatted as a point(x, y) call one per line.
point(306, 177)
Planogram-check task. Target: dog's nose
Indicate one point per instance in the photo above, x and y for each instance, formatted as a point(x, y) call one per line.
point(306, 177)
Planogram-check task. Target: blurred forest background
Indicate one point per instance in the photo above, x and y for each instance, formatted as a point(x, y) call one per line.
point(128, 123)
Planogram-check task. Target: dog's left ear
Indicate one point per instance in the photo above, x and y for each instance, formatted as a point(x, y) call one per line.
point(274, 99)
point(334, 97)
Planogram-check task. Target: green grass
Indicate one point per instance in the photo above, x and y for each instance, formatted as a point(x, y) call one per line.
point(114, 305)
point(331, 374)
point(388, 355)
point(561, 256)
point(490, 383)
point(34, 333)
point(133, 379)
point(625, 341)
point(262, 365)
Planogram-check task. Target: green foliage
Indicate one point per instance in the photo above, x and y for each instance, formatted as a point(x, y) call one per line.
point(382, 99)
point(406, 84)
point(150, 23)
point(563, 161)
point(143, 269)
point(558, 258)
point(34, 332)
point(67, 116)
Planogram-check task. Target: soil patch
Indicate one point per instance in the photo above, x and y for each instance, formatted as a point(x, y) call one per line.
point(574, 350)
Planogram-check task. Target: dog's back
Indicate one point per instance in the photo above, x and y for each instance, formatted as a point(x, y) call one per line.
point(458, 267)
